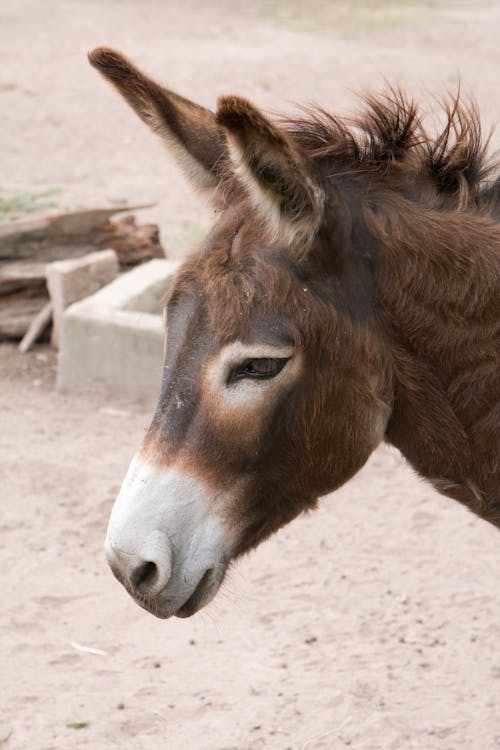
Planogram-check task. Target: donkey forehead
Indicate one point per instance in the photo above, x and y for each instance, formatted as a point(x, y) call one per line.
point(202, 324)
point(234, 289)
point(238, 229)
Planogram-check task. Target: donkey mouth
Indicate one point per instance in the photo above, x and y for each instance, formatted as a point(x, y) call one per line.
point(204, 592)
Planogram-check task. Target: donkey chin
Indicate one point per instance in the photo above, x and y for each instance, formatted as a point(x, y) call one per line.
point(165, 544)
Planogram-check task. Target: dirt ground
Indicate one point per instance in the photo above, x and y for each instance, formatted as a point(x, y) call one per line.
point(373, 623)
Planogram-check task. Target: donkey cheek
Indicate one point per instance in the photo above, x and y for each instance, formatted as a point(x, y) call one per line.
point(236, 426)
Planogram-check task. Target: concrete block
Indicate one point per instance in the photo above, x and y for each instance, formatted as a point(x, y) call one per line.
point(114, 338)
point(71, 280)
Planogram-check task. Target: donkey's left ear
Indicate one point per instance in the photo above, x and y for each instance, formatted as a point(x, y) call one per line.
point(188, 130)
point(275, 173)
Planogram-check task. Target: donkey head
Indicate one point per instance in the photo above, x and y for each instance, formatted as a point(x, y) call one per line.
point(274, 385)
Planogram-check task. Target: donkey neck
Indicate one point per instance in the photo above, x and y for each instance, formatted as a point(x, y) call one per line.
point(438, 301)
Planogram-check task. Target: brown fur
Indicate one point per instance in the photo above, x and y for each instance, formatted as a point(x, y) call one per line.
point(390, 292)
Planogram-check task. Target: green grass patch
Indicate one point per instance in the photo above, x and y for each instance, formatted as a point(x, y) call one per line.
point(77, 725)
point(27, 202)
point(353, 17)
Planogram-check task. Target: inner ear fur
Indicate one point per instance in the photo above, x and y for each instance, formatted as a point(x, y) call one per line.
point(190, 131)
point(276, 174)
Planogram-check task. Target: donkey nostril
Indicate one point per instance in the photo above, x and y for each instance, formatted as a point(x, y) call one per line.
point(143, 569)
point(144, 577)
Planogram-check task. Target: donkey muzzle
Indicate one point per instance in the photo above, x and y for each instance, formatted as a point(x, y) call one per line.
point(164, 543)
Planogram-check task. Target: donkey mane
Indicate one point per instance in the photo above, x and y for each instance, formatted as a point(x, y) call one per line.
point(388, 139)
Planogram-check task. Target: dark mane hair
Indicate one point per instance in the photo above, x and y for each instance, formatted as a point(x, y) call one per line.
point(388, 138)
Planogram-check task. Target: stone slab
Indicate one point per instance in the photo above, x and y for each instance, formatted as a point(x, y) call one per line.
point(74, 279)
point(114, 338)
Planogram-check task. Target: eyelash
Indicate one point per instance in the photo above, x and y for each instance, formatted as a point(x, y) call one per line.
point(249, 369)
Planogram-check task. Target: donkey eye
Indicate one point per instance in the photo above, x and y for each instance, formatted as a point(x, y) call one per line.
point(262, 368)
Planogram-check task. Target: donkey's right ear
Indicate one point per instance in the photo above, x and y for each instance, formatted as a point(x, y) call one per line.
point(190, 131)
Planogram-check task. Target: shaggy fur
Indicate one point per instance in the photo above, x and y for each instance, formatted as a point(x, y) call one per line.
point(371, 245)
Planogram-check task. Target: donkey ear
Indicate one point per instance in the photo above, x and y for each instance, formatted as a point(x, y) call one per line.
point(190, 131)
point(274, 171)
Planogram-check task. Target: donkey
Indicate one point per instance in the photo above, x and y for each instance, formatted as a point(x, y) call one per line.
point(348, 294)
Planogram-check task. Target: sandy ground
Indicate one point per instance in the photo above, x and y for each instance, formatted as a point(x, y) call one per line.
point(373, 623)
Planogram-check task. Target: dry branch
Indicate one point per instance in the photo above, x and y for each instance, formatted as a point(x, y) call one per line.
point(36, 328)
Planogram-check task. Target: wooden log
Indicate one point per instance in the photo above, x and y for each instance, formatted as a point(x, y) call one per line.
point(15, 277)
point(57, 237)
point(133, 244)
point(36, 328)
